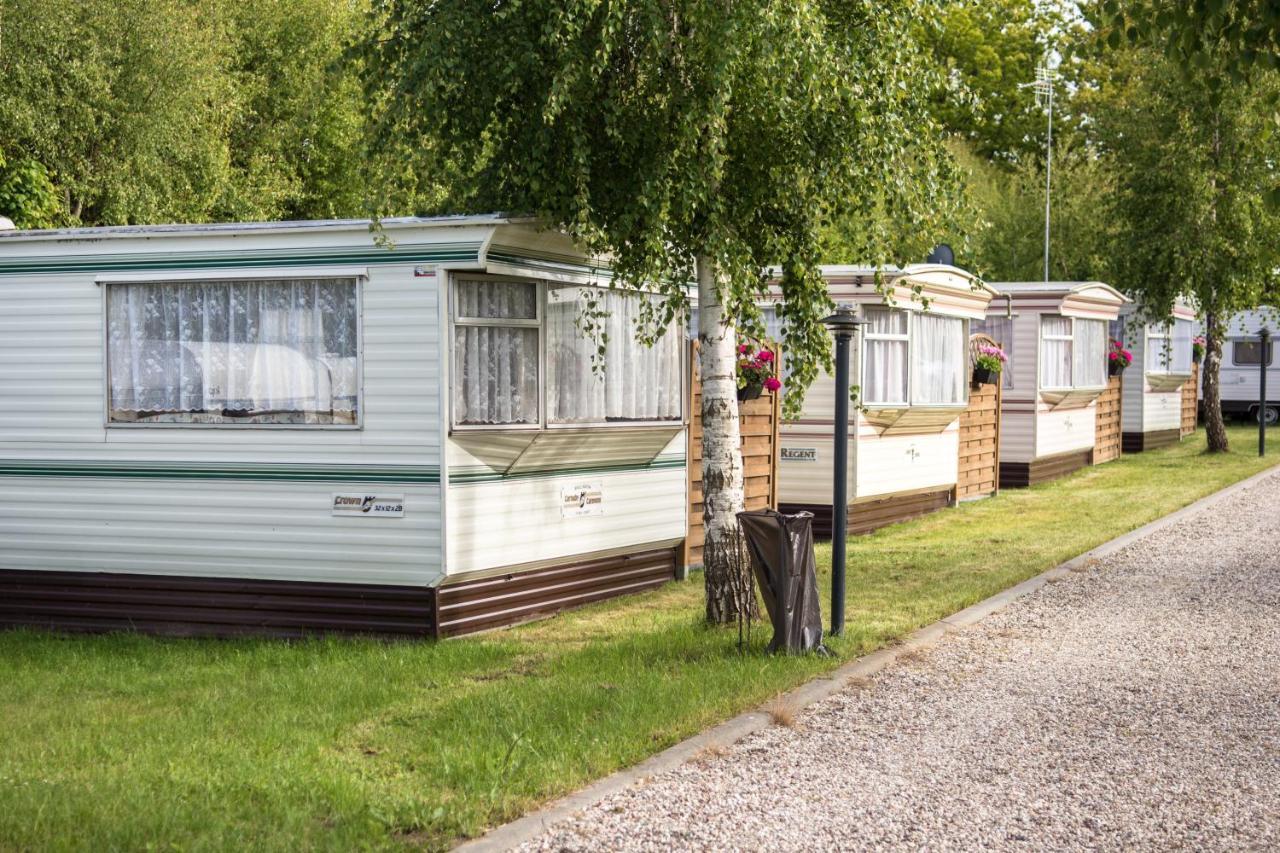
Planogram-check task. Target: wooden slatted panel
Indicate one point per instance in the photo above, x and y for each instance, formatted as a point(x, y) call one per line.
point(1017, 475)
point(210, 607)
point(1107, 440)
point(759, 421)
point(1189, 402)
point(979, 471)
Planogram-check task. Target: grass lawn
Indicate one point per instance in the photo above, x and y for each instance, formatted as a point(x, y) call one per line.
point(127, 742)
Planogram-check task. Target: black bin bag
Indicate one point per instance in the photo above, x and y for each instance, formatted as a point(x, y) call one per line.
point(782, 558)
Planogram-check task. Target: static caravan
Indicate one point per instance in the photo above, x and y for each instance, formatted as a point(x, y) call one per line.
point(1241, 364)
point(912, 366)
point(1151, 401)
point(1055, 336)
point(287, 427)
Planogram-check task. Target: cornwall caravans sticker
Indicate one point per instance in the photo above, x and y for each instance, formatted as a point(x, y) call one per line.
point(799, 454)
point(581, 499)
point(369, 506)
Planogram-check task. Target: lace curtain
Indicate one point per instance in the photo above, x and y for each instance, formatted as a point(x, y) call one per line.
point(1055, 352)
point(495, 353)
point(270, 351)
point(634, 383)
point(938, 360)
point(884, 371)
point(1090, 354)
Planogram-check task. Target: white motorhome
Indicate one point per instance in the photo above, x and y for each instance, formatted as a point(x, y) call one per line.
point(1240, 372)
point(287, 427)
point(1151, 395)
point(912, 367)
point(1055, 336)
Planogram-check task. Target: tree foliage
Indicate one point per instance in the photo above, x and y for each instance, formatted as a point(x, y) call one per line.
point(166, 110)
point(1235, 36)
point(658, 131)
point(1193, 161)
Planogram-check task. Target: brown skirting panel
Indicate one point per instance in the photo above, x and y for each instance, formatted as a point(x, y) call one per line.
point(1017, 475)
point(210, 607)
point(868, 515)
point(1136, 442)
point(506, 599)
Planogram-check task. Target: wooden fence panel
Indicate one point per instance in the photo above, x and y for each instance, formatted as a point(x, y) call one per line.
point(1190, 407)
point(980, 436)
point(759, 420)
point(1106, 445)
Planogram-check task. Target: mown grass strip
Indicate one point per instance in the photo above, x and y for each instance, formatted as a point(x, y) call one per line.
point(129, 742)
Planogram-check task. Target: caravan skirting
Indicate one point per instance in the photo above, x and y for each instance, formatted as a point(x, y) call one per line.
point(1018, 475)
point(873, 513)
point(1136, 442)
point(100, 602)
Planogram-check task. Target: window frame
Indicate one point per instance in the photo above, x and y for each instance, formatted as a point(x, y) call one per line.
point(543, 423)
point(1062, 389)
point(358, 277)
point(1162, 332)
point(909, 338)
point(1269, 353)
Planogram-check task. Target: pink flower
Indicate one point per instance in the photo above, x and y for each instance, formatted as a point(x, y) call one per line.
point(1115, 355)
point(772, 383)
point(1128, 356)
point(765, 355)
point(744, 349)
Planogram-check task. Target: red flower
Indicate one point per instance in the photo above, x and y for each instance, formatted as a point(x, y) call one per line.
point(772, 383)
point(744, 349)
point(765, 355)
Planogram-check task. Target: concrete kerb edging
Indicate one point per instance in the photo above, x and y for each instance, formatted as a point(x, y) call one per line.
point(731, 731)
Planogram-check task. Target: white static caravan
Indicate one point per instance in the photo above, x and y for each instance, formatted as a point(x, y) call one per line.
point(1055, 335)
point(1238, 375)
point(912, 366)
point(277, 428)
point(1151, 400)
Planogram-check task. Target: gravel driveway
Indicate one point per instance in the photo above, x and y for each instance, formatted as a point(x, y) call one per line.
point(1135, 704)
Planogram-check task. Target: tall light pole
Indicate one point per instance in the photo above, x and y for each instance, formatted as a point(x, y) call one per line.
point(844, 326)
point(1264, 344)
point(1043, 86)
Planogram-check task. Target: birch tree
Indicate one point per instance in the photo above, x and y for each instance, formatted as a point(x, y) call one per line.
point(1194, 159)
point(690, 140)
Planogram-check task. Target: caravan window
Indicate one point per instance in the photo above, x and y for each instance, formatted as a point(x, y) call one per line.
point(885, 347)
point(516, 343)
point(913, 358)
point(1073, 353)
point(1245, 353)
point(631, 383)
point(496, 343)
point(246, 352)
point(1169, 348)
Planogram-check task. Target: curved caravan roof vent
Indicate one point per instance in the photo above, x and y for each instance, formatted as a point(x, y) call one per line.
point(6, 224)
point(942, 254)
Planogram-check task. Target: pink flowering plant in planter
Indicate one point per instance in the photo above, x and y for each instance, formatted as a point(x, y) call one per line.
point(1197, 348)
point(1118, 358)
point(988, 363)
point(756, 372)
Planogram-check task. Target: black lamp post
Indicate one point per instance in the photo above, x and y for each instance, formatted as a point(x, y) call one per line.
point(844, 326)
point(1264, 342)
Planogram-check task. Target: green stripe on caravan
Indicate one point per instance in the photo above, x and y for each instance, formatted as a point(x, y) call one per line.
point(402, 253)
point(487, 475)
point(417, 474)
point(403, 474)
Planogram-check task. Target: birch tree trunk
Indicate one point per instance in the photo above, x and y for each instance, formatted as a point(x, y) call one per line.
point(1215, 429)
point(722, 489)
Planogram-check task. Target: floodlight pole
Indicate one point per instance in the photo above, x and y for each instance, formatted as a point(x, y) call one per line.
point(1048, 181)
point(843, 326)
point(1264, 341)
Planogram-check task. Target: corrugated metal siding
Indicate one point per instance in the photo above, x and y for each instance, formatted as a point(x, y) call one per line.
point(280, 531)
point(1061, 431)
point(510, 522)
point(51, 388)
point(890, 464)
